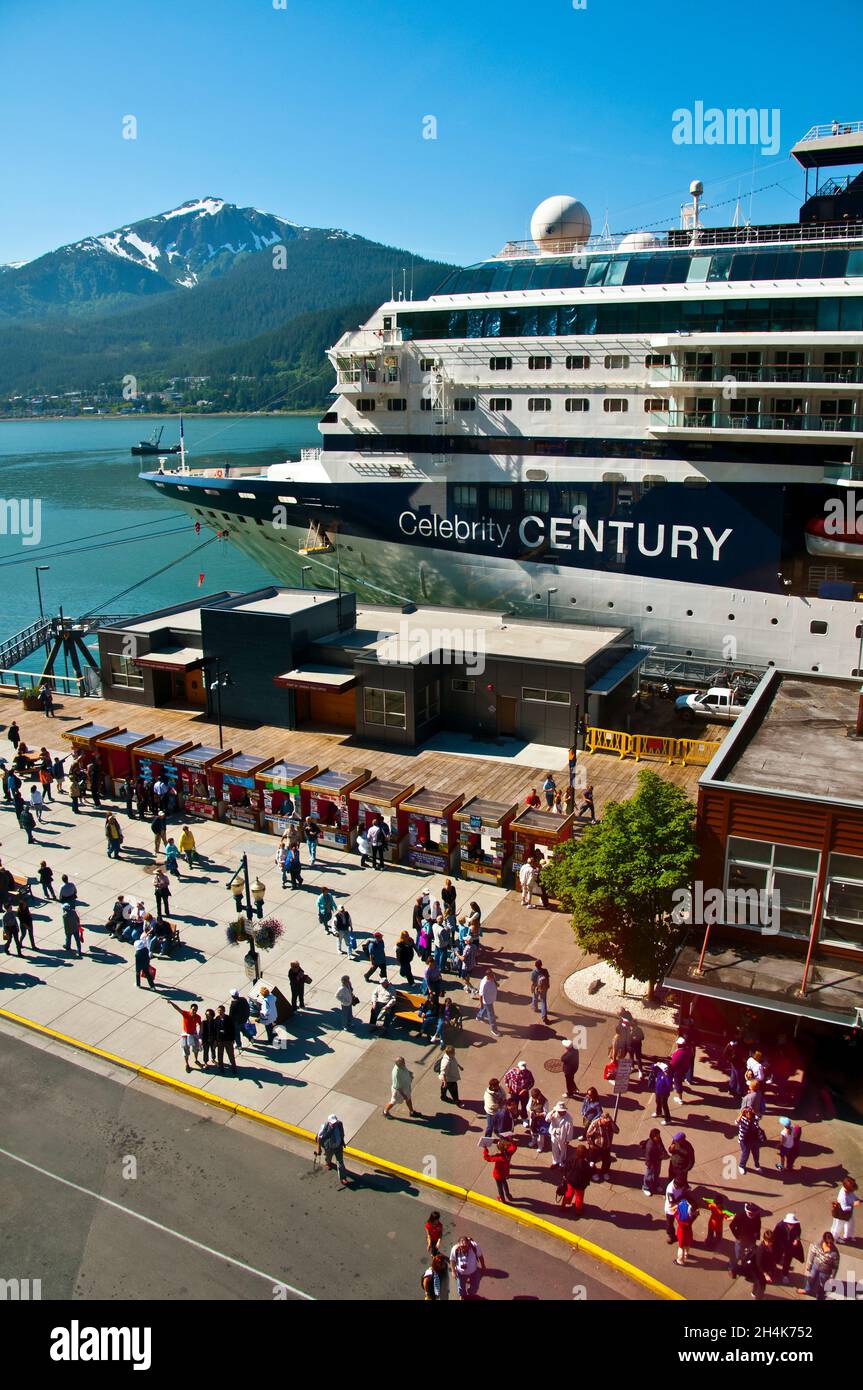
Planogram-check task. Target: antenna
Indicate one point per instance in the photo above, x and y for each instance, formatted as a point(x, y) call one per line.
point(404, 282)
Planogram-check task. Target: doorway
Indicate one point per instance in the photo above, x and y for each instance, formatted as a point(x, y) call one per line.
point(507, 715)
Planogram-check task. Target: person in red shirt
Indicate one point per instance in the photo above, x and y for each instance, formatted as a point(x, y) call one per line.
point(533, 800)
point(434, 1233)
point(190, 1038)
point(501, 1158)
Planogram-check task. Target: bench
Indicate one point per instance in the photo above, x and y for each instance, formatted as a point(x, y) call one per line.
point(408, 1006)
point(21, 883)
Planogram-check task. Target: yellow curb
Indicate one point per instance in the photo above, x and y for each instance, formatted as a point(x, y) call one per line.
point(478, 1199)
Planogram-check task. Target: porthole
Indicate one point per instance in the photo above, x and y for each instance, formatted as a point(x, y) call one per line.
point(650, 608)
point(610, 604)
point(689, 612)
point(773, 622)
point(731, 617)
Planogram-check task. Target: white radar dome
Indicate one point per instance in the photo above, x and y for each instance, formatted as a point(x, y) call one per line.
point(638, 241)
point(559, 223)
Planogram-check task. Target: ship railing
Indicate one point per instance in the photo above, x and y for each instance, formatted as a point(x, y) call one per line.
point(754, 420)
point(822, 132)
point(699, 237)
point(313, 455)
point(826, 376)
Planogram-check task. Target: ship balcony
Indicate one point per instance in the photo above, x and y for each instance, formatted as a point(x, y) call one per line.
point(815, 376)
point(843, 474)
point(714, 423)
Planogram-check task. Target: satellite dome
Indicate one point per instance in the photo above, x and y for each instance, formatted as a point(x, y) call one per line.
point(559, 223)
point(638, 241)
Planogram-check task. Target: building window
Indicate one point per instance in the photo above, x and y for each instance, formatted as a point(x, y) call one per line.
point(500, 364)
point(539, 403)
point(464, 403)
point(842, 920)
point(545, 697)
point(461, 685)
point(658, 359)
point(365, 405)
point(539, 364)
point(616, 362)
point(577, 362)
point(397, 403)
point(428, 703)
point(124, 672)
point(463, 495)
point(386, 707)
point(536, 499)
point(501, 404)
point(615, 405)
point(577, 404)
point(756, 867)
point(429, 364)
point(500, 499)
point(656, 403)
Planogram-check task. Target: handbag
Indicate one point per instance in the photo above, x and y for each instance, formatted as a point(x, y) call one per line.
point(354, 1000)
point(838, 1211)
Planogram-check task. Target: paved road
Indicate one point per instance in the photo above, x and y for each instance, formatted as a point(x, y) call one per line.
point(84, 1157)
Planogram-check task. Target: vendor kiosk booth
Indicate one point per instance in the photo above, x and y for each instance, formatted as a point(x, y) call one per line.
point(485, 840)
point(276, 795)
point(237, 776)
point(328, 794)
point(379, 799)
point(432, 830)
point(156, 759)
point(198, 786)
point(539, 830)
point(85, 738)
point(114, 752)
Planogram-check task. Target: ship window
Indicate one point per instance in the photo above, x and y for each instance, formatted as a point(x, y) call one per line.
point(398, 403)
point(365, 405)
point(615, 405)
point(818, 628)
point(720, 266)
point(699, 268)
point(596, 272)
point(249, 496)
point(577, 403)
point(616, 361)
point(463, 495)
point(501, 404)
point(539, 403)
point(464, 403)
point(500, 364)
point(694, 481)
point(425, 403)
point(656, 403)
point(840, 359)
point(617, 271)
point(536, 499)
point(658, 359)
point(500, 499)
point(577, 363)
point(539, 364)
point(330, 417)
point(385, 707)
point(855, 263)
point(429, 364)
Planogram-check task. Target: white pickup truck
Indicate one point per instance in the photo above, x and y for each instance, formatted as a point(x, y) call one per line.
point(719, 705)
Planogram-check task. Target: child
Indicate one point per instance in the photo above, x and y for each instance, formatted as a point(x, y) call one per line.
point(172, 855)
point(352, 943)
point(715, 1224)
point(789, 1144)
point(434, 1233)
point(363, 847)
point(46, 879)
point(684, 1217)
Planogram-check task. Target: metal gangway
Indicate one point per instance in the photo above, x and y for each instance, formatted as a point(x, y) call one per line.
point(680, 666)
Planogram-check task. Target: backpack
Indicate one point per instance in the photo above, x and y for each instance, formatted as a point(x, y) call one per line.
point(444, 938)
point(332, 1137)
point(684, 1210)
point(662, 1085)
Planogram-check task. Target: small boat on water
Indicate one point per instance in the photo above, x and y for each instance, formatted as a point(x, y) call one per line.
point(153, 446)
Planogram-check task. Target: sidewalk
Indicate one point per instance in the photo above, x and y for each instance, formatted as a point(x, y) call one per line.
point(320, 1069)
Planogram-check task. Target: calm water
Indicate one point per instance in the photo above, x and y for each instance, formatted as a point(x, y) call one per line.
point(87, 481)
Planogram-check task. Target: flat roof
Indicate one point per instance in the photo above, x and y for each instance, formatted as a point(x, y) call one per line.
point(380, 793)
point(126, 738)
point(177, 659)
point(770, 979)
point(187, 619)
point(491, 812)
point(201, 755)
point(792, 739)
point(569, 644)
point(286, 601)
point(317, 676)
point(425, 801)
point(242, 763)
point(290, 774)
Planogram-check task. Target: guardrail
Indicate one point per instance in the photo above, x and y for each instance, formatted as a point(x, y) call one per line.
point(638, 746)
point(31, 680)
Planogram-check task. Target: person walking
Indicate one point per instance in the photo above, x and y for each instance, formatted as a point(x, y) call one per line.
point(844, 1204)
point(294, 867)
point(12, 931)
point(172, 859)
point(345, 998)
point(488, 999)
point(72, 931)
point(750, 1137)
point(787, 1246)
point(404, 954)
point(587, 807)
point(434, 1279)
point(68, 892)
point(377, 957)
point(326, 909)
point(790, 1136)
point(402, 1082)
point(600, 1137)
point(113, 835)
point(298, 979)
point(822, 1264)
point(312, 833)
point(540, 983)
point(527, 882)
point(654, 1152)
point(576, 1180)
point(434, 1233)
point(36, 800)
point(13, 733)
point(143, 965)
point(269, 1011)
point(239, 1013)
point(468, 1265)
point(500, 1157)
point(661, 1092)
point(493, 1103)
point(377, 838)
point(674, 1193)
point(28, 823)
point(745, 1228)
point(570, 1063)
point(224, 1033)
point(162, 890)
point(208, 1037)
point(188, 847)
point(560, 1132)
point(342, 926)
point(158, 826)
point(679, 1064)
point(46, 881)
point(762, 1265)
point(331, 1143)
point(450, 1075)
point(25, 921)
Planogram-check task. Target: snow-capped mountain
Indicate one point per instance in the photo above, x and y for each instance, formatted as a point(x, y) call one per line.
point(178, 249)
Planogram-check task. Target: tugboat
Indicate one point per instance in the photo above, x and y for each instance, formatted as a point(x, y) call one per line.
point(152, 446)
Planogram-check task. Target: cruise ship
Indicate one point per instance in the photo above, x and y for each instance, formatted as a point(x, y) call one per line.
point(660, 430)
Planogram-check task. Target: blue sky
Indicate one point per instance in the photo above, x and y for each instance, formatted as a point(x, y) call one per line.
point(315, 111)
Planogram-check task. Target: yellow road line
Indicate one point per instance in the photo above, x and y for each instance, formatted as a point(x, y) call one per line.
point(478, 1199)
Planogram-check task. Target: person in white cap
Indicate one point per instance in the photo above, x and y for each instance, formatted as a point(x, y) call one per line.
point(570, 1061)
point(238, 1013)
point(518, 1081)
point(787, 1246)
point(560, 1132)
point(331, 1143)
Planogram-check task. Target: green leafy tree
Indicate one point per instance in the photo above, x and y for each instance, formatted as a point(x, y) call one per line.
point(618, 879)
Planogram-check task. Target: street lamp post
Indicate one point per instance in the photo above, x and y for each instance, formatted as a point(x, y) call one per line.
point(548, 595)
point(306, 569)
point(251, 959)
point(222, 681)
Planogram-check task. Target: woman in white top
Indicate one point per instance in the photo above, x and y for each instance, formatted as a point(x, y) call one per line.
point(847, 1200)
point(757, 1066)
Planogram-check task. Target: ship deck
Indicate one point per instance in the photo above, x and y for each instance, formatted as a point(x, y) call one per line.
point(498, 778)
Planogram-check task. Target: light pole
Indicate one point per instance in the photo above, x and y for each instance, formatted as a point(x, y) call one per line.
point(548, 595)
point(251, 959)
point(222, 682)
point(42, 569)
